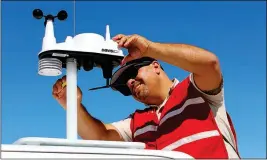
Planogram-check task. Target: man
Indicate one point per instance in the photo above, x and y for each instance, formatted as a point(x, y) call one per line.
point(187, 116)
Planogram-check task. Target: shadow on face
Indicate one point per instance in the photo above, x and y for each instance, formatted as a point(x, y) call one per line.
point(145, 85)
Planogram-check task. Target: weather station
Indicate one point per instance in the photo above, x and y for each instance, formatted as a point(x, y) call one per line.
point(80, 52)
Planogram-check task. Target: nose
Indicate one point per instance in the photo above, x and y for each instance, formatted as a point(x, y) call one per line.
point(130, 83)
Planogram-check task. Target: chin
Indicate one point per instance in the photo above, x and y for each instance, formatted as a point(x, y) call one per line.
point(144, 92)
point(143, 99)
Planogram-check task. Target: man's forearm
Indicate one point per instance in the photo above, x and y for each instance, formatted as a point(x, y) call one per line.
point(89, 127)
point(187, 57)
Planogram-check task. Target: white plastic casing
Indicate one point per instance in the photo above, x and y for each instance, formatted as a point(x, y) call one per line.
point(87, 43)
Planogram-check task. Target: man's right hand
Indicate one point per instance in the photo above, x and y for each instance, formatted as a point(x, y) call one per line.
point(59, 92)
point(89, 127)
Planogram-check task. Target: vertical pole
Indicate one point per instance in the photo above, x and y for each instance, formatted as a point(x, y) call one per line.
point(71, 99)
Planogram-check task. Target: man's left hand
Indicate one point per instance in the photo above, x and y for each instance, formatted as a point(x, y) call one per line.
point(137, 46)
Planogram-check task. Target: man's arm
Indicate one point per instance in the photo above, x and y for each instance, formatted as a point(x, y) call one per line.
point(203, 64)
point(90, 128)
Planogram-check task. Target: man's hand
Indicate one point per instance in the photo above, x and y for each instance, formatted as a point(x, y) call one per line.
point(88, 127)
point(137, 46)
point(203, 64)
point(59, 92)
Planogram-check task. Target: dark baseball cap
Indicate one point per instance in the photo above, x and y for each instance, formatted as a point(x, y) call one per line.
point(129, 70)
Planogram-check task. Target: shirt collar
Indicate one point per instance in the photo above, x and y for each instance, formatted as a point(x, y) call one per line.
point(175, 82)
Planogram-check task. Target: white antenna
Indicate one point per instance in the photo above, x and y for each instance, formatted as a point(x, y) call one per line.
point(107, 33)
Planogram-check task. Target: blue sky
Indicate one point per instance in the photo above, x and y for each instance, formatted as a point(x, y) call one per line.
point(234, 31)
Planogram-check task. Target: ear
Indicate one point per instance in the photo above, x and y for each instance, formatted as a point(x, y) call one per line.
point(156, 66)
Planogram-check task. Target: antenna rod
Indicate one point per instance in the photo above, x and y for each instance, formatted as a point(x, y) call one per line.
point(107, 33)
point(71, 99)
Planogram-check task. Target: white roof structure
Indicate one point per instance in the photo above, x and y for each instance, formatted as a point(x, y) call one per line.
point(35, 147)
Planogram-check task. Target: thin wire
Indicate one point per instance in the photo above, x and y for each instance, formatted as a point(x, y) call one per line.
point(74, 16)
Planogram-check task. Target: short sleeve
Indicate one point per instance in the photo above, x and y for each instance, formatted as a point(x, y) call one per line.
point(217, 105)
point(214, 100)
point(124, 128)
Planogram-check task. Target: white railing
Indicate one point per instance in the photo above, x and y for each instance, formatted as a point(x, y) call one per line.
point(34, 147)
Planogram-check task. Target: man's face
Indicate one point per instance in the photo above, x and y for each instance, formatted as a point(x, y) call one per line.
point(143, 86)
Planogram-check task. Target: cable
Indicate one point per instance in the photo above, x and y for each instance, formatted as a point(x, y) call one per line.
point(74, 17)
